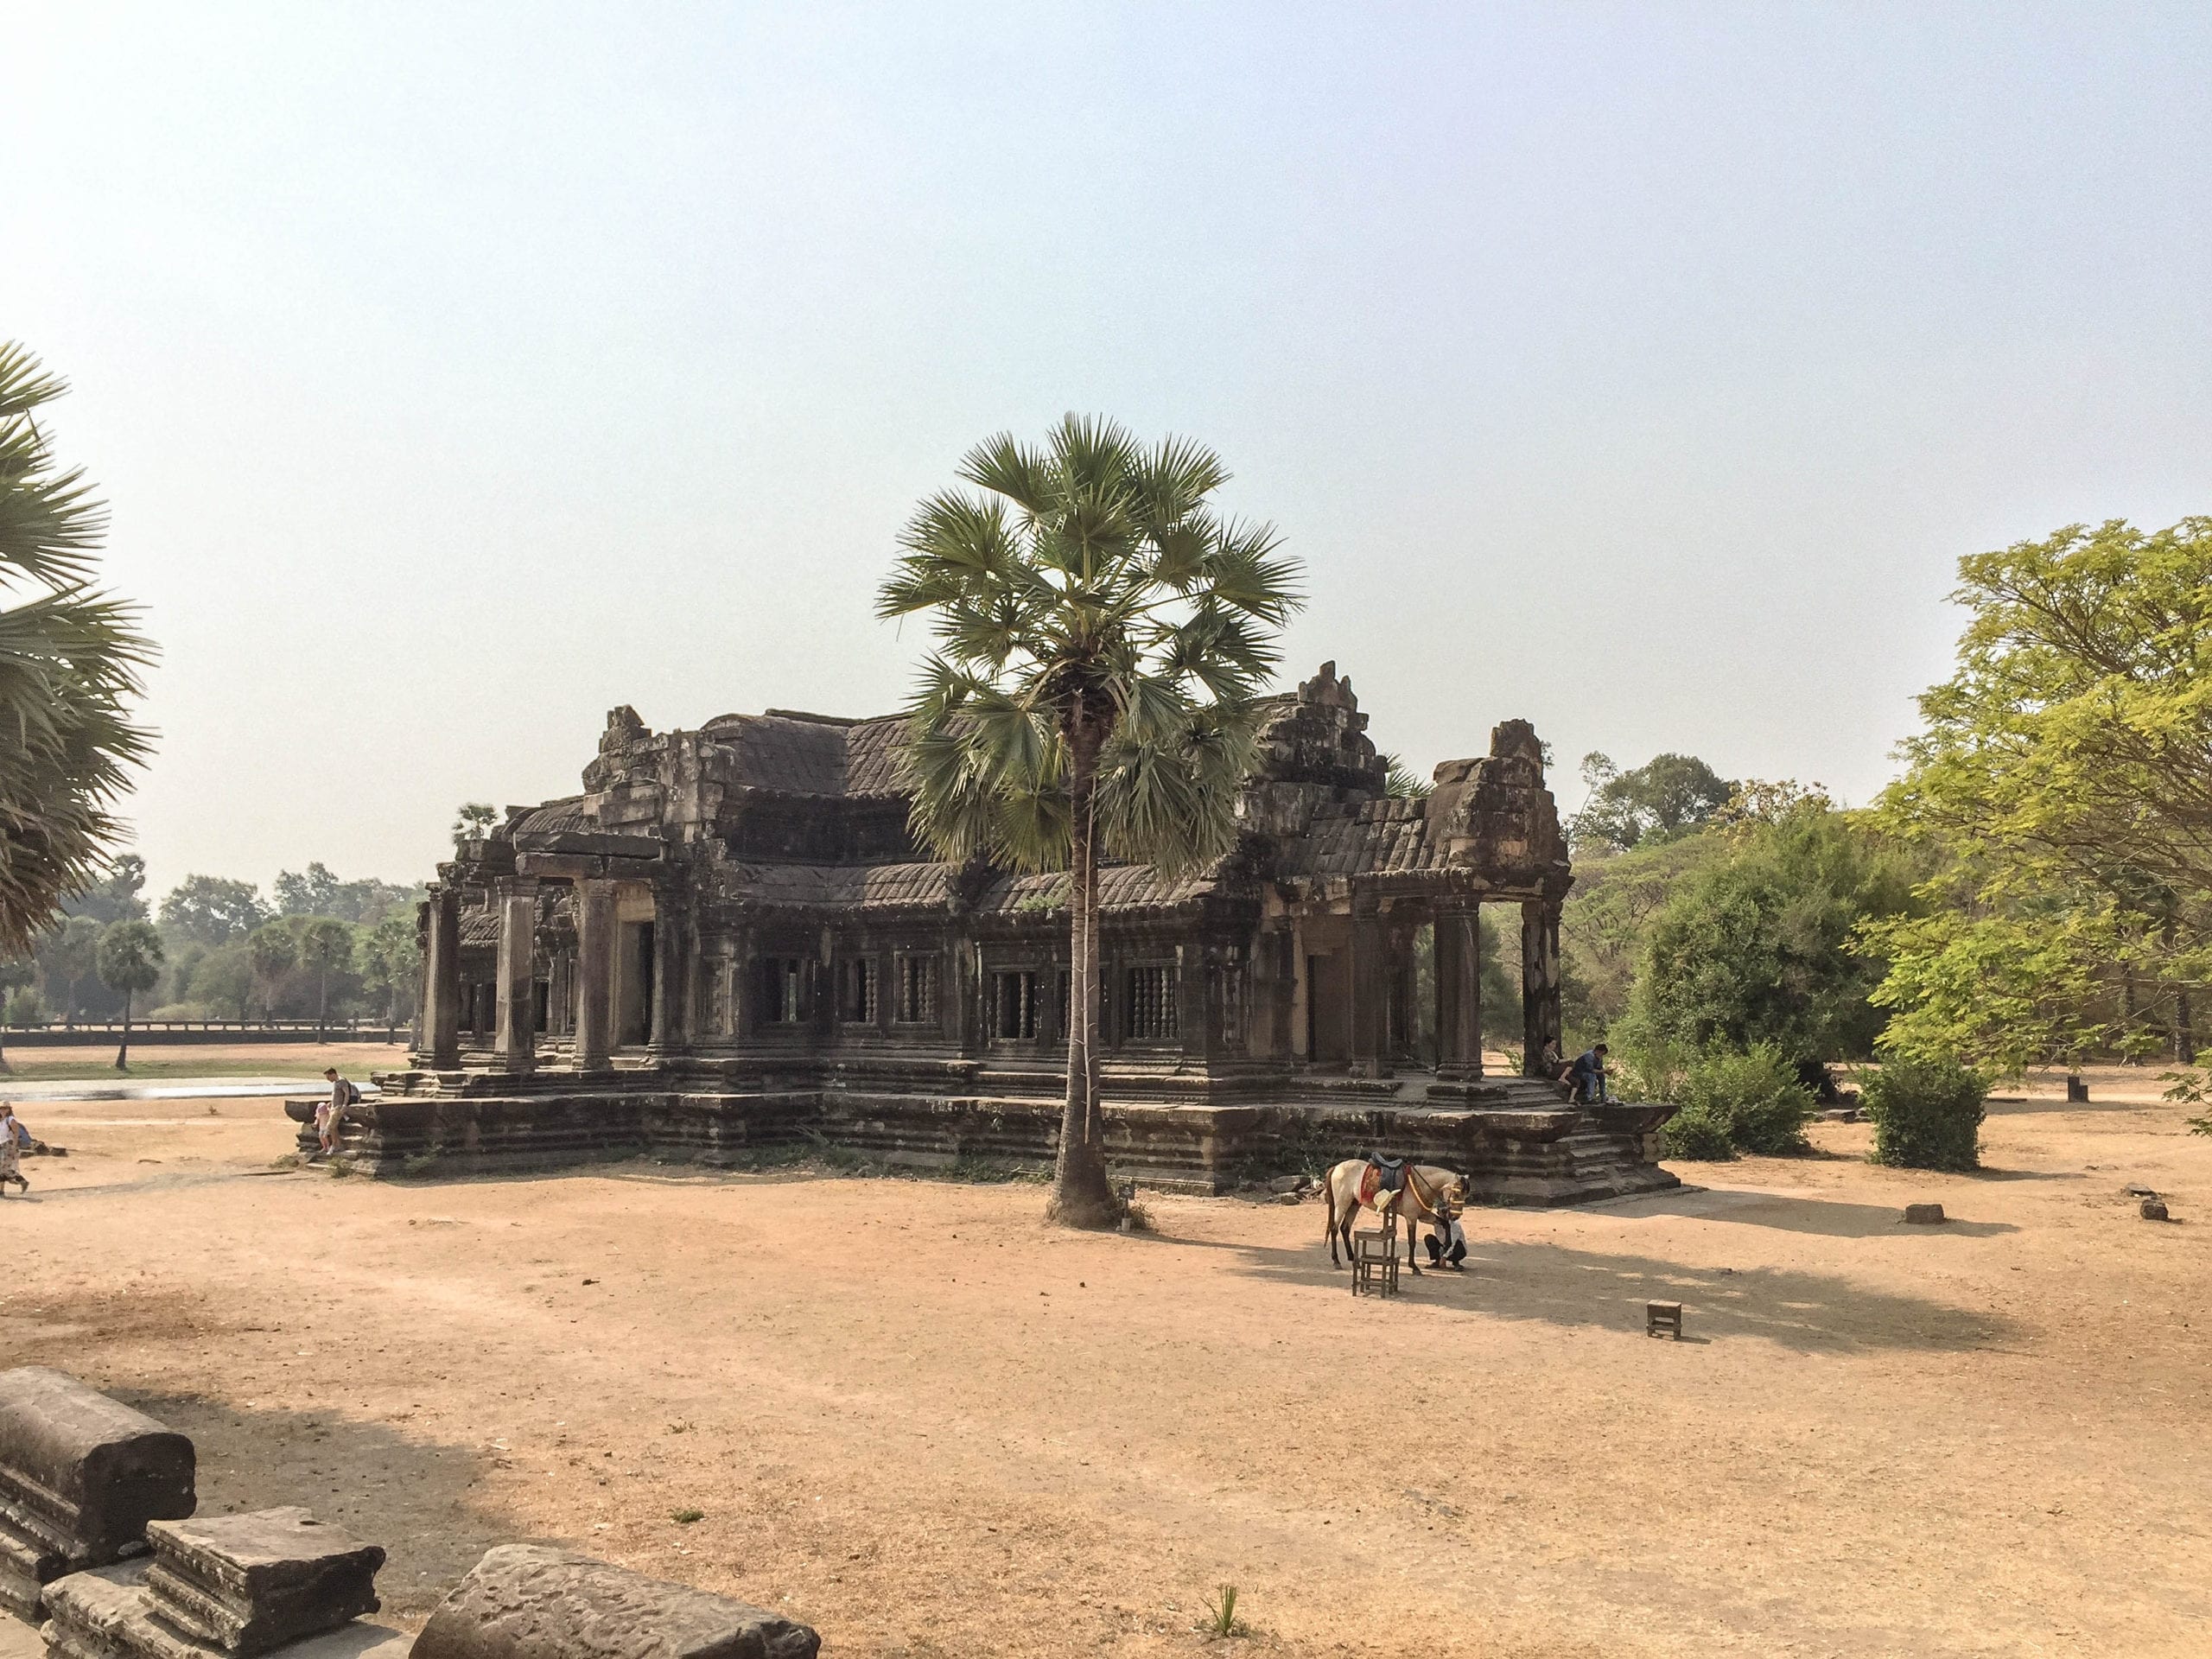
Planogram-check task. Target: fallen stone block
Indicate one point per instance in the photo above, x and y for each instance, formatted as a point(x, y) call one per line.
point(247, 1583)
point(2154, 1210)
point(524, 1601)
point(80, 1476)
point(108, 1613)
point(1924, 1215)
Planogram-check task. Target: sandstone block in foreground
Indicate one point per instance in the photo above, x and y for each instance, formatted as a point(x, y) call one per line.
point(247, 1583)
point(80, 1476)
point(523, 1601)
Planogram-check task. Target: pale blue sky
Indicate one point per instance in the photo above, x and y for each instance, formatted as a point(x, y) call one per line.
point(457, 372)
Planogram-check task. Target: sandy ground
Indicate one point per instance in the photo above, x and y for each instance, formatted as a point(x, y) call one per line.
point(909, 1413)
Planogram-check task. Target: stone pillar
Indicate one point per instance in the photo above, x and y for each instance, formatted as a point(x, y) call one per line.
point(1371, 997)
point(1540, 986)
point(441, 978)
point(517, 899)
point(667, 1032)
point(596, 942)
point(1458, 994)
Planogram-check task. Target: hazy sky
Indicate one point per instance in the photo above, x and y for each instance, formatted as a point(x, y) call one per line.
point(456, 372)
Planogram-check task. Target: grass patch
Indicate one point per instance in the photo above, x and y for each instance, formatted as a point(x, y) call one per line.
point(685, 1517)
point(1221, 1613)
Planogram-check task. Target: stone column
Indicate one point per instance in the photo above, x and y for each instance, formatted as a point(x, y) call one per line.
point(595, 938)
point(441, 978)
point(516, 897)
point(1540, 986)
point(668, 971)
point(1458, 994)
point(1371, 997)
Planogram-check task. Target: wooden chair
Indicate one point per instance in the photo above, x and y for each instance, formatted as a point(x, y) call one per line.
point(1375, 1258)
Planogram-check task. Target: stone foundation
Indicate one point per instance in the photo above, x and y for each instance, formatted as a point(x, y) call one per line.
point(1518, 1144)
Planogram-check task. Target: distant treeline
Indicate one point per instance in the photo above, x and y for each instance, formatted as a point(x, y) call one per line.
point(323, 949)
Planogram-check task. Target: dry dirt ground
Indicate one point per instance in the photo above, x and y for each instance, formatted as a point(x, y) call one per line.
point(909, 1413)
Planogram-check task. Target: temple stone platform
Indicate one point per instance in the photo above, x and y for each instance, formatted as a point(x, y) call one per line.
point(1516, 1140)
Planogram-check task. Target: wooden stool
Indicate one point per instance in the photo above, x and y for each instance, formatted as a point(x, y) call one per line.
point(1375, 1259)
point(1664, 1316)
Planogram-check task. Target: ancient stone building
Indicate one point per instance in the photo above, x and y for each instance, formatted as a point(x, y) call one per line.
point(731, 938)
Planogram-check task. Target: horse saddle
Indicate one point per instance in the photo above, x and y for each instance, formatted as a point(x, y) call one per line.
point(1383, 1178)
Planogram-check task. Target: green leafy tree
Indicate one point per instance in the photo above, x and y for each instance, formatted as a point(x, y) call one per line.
point(274, 950)
point(16, 974)
point(212, 910)
point(1760, 946)
point(2063, 776)
point(130, 962)
point(224, 979)
point(68, 955)
point(325, 943)
point(114, 896)
point(389, 958)
point(70, 658)
point(1102, 632)
point(1668, 796)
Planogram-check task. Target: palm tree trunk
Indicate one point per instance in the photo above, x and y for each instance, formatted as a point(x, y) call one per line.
point(123, 1048)
point(321, 1006)
point(1080, 1195)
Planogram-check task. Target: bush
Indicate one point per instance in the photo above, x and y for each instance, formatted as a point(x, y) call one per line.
point(1927, 1114)
point(25, 1008)
point(1753, 1101)
point(1699, 1134)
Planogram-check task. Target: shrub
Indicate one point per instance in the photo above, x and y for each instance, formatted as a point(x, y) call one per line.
point(1699, 1134)
point(1927, 1114)
point(25, 1008)
point(1753, 1099)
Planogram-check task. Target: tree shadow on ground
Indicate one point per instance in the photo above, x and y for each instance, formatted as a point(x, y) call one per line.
point(1809, 1313)
point(1796, 1213)
point(409, 1495)
point(2047, 1105)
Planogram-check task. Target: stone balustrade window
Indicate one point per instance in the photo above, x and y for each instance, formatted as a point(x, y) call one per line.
point(1152, 1015)
point(779, 990)
point(1015, 1000)
point(858, 1001)
point(916, 983)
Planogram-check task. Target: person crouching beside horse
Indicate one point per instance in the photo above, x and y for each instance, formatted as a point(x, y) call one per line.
point(1419, 1194)
point(1447, 1245)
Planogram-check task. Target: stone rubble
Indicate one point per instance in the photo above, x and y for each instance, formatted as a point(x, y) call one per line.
point(247, 1583)
point(525, 1601)
point(81, 1477)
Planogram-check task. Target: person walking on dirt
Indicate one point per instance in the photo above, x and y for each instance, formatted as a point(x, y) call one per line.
point(13, 1135)
point(332, 1113)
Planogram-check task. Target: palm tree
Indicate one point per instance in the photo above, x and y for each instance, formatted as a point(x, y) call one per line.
point(1102, 635)
point(69, 663)
point(131, 961)
point(275, 952)
point(325, 943)
point(72, 952)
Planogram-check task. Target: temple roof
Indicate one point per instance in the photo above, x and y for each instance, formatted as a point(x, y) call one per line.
point(1375, 837)
point(811, 755)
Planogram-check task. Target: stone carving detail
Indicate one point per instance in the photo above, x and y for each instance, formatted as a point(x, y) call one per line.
point(524, 1601)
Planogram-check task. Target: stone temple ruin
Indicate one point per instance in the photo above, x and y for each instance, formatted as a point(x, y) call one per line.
point(731, 940)
point(101, 1547)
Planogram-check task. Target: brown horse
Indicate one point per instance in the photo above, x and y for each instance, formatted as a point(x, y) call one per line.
point(1430, 1194)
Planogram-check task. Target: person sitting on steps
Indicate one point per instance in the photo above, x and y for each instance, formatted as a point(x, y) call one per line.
point(1587, 1074)
point(332, 1113)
